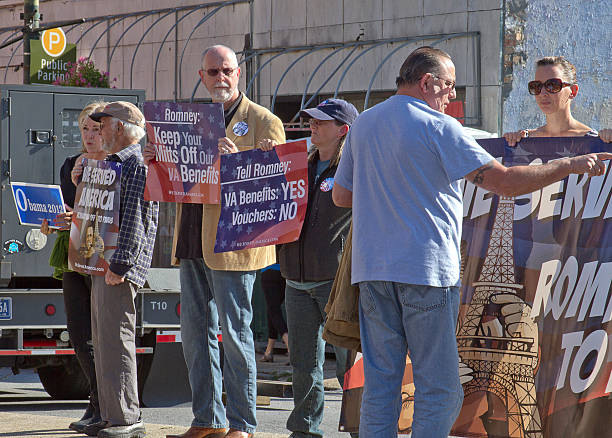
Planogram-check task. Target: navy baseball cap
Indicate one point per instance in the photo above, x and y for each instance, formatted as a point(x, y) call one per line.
point(332, 109)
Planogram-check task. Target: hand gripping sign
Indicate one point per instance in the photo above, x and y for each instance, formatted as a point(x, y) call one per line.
point(263, 197)
point(186, 164)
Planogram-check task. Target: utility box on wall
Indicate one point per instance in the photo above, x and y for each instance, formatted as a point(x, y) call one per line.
point(38, 131)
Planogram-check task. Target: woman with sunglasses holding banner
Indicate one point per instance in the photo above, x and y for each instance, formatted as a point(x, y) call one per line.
point(554, 87)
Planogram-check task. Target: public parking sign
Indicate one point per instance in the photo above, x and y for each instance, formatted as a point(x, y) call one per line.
point(35, 202)
point(50, 56)
point(53, 41)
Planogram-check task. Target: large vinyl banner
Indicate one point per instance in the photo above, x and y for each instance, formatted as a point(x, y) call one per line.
point(534, 323)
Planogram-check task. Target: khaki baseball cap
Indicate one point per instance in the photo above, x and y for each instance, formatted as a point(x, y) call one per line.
point(124, 111)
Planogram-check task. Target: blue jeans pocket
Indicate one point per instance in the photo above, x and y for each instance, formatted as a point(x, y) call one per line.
point(423, 298)
point(366, 300)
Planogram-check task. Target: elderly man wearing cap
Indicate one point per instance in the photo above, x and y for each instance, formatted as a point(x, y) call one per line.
point(309, 266)
point(216, 288)
point(113, 313)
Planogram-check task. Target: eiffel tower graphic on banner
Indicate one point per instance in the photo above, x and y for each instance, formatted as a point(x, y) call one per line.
point(503, 364)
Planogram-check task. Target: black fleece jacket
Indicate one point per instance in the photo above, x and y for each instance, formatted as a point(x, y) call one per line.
point(316, 254)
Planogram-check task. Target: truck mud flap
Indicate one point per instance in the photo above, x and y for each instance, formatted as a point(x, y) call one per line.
point(167, 383)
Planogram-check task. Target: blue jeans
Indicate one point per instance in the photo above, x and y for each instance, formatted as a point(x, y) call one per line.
point(305, 320)
point(396, 318)
point(209, 298)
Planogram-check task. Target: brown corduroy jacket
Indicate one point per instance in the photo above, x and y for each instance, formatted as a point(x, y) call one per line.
point(342, 324)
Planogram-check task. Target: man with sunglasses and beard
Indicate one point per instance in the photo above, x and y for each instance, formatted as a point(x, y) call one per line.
point(401, 172)
point(554, 88)
point(216, 288)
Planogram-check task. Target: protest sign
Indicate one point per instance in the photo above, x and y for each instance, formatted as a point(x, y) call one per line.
point(35, 202)
point(186, 164)
point(263, 197)
point(95, 221)
point(534, 324)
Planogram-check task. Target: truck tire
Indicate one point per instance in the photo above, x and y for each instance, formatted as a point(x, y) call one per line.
point(68, 382)
point(65, 382)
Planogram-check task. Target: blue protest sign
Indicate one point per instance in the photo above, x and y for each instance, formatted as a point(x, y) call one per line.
point(35, 202)
point(264, 197)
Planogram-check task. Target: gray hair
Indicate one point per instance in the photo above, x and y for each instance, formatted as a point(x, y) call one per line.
point(423, 60)
point(220, 46)
point(133, 132)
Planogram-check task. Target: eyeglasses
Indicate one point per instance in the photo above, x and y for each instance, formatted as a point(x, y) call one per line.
point(317, 122)
point(448, 83)
point(215, 71)
point(553, 85)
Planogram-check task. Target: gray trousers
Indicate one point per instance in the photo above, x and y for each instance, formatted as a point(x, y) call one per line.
point(113, 326)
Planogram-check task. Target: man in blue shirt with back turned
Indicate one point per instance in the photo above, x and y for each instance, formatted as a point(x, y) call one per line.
point(401, 170)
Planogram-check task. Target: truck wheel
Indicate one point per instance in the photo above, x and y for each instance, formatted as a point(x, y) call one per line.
point(65, 382)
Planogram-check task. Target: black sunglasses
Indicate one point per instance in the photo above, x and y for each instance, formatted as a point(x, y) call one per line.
point(215, 71)
point(552, 86)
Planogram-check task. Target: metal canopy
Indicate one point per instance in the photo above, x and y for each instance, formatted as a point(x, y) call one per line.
point(343, 55)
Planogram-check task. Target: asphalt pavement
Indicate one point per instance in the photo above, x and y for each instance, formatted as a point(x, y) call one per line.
point(26, 410)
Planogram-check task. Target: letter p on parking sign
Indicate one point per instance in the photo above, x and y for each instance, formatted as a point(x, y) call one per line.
point(53, 41)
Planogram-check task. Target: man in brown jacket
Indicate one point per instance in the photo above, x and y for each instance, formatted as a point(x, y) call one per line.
point(216, 288)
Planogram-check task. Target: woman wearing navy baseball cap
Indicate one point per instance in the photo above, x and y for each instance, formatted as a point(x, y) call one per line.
point(310, 264)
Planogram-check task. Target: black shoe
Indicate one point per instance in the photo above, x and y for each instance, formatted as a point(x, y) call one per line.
point(90, 412)
point(136, 430)
point(93, 428)
point(80, 425)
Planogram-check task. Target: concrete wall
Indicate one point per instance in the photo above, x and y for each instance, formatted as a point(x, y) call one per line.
point(577, 29)
point(279, 24)
point(299, 22)
point(227, 26)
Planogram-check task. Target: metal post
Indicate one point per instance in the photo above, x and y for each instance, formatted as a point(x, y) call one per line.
point(248, 45)
point(177, 92)
point(502, 33)
point(108, 43)
point(479, 81)
point(258, 81)
point(31, 20)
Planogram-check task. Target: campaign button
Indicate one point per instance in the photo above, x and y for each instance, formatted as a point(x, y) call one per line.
point(240, 129)
point(327, 184)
